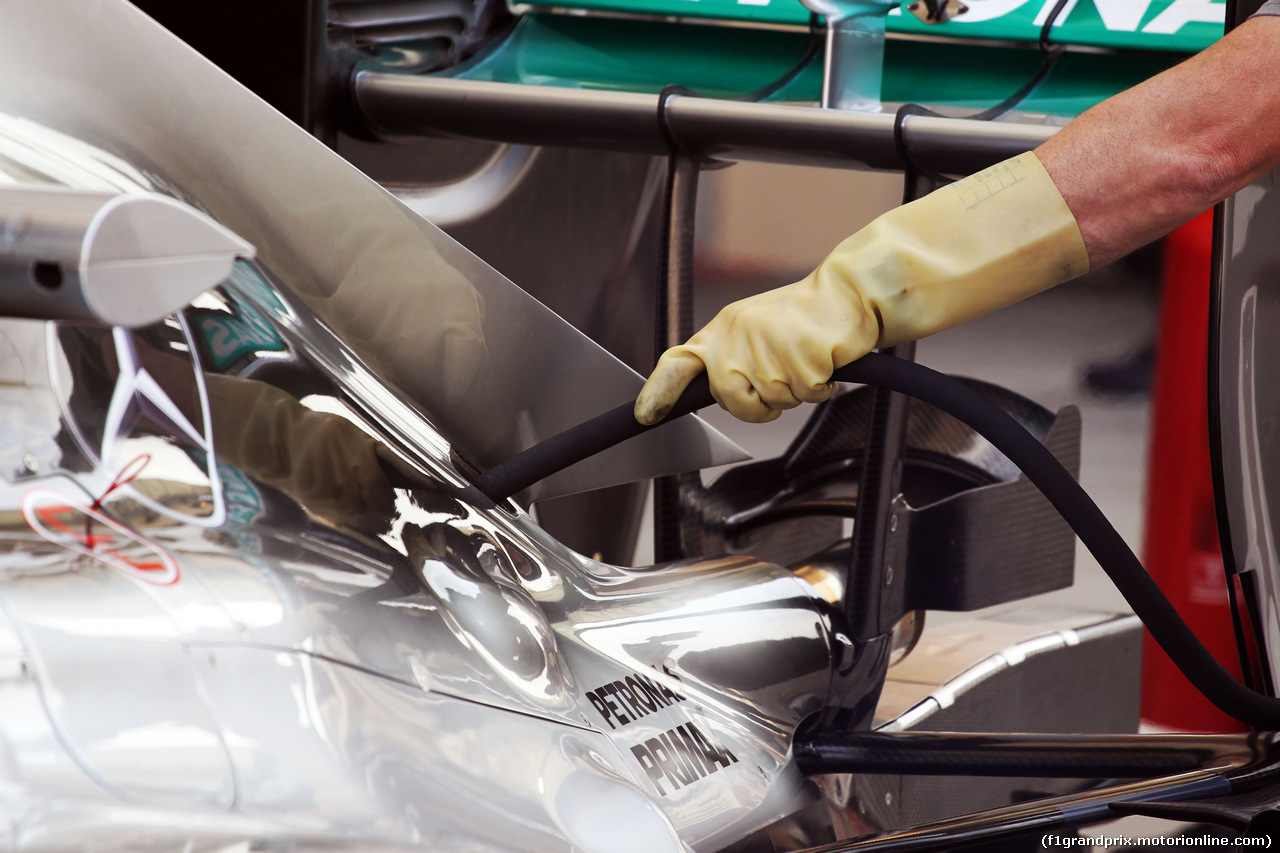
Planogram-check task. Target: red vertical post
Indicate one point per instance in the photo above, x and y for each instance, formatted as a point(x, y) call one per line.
point(1180, 546)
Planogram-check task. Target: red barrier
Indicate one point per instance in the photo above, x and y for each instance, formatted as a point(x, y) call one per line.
point(1180, 547)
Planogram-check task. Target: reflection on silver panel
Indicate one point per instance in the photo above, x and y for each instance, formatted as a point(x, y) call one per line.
point(495, 371)
point(478, 194)
point(1248, 370)
point(331, 645)
point(243, 596)
point(590, 255)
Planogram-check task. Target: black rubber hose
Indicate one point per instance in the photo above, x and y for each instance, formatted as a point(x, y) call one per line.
point(1082, 514)
point(1036, 462)
point(582, 442)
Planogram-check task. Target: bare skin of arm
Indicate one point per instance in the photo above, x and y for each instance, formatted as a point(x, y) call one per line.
point(1147, 160)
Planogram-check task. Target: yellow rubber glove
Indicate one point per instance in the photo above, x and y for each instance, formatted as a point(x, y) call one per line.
point(962, 251)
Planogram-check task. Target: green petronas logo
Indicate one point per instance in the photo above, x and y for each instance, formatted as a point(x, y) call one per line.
point(1155, 17)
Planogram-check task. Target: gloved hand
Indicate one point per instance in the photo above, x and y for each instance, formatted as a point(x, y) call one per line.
point(962, 251)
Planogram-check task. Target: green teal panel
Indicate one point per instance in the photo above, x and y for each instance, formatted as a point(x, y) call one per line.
point(645, 56)
point(1183, 26)
point(642, 56)
point(977, 77)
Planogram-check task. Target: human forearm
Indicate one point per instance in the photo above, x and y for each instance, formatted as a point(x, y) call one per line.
point(1140, 164)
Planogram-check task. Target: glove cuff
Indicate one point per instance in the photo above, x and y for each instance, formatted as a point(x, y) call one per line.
point(964, 250)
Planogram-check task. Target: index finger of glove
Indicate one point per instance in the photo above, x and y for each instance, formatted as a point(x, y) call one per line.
point(675, 370)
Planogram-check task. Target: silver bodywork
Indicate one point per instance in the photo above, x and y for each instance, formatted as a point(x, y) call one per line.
point(1246, 403)
point(247, 599)
point(1243, 371)
point(504, 372)
point(203, 643)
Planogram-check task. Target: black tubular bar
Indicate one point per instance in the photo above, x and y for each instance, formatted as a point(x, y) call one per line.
point(674, 325)
point(404, 106)
point(1074, 756)
point(1200, 766)
point(874, 605)
point(1231, 764)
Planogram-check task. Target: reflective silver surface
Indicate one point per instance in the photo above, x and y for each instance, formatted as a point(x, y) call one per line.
point(243, 597)
point(401, 106)
point(476, 195)
point(205, 629)
point(493, 369)
point(577, 230)
point(1248, 369)
point(853, 62)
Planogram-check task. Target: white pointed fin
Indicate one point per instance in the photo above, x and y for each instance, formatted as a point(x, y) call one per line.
point(112, 258)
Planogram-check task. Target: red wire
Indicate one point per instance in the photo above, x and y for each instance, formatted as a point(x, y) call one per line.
point(127, 474)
